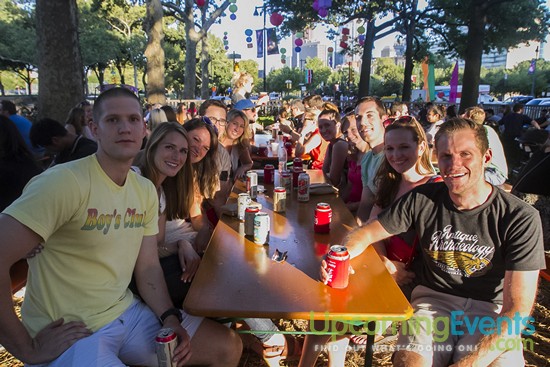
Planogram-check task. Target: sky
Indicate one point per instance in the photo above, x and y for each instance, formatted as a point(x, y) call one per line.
point(246, 20)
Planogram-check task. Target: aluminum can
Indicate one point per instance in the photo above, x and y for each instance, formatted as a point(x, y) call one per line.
point(242, 202)
point(323, 217)
point(166, 342)
point(249, 215)
point(286, 180)
point(279, 199)
point(269, 174)
point(338, 267)
point(297, 162)
point(252, 184)
point(261, 228)
point(303, 187)
point(295, 173)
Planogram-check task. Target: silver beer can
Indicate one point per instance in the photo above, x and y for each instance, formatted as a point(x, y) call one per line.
point(242, 202)
point(279, 199)
point(303, 187)
point(249, 215)
point(252, 183)
point(261, 228)
point(166, 342)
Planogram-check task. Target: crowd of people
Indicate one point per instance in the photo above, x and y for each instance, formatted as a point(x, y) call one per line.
point(115, 223)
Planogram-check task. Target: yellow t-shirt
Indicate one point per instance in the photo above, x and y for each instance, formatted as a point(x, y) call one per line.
point(93, 231)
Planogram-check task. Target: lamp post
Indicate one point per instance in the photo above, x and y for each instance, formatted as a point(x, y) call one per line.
point(534, 72)
point(262, 11)
point(288, 84)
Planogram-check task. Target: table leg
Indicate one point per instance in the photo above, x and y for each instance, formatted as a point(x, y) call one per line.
point(371, 326)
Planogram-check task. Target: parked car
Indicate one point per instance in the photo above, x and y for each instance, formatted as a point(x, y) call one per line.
point(517, 99)
point(538, 102)
point(274, 96)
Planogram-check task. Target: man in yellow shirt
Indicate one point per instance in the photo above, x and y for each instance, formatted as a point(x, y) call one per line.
point(98, 224)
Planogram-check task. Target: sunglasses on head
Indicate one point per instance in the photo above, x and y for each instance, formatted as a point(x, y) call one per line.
point(406, 119)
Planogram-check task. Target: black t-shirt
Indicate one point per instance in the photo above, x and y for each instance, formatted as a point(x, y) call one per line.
point(14, 175)
point(82, 147)
point(513, 124)
point(534, 177)
point(466, 253)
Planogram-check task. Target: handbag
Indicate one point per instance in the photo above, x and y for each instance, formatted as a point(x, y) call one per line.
point(399, 250)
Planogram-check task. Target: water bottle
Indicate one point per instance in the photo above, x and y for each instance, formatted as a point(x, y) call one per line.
point(281, 153)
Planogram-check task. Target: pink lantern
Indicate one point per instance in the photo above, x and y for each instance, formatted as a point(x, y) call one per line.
point(322, 12)
point(200, 2)
point(276, 19)
point(343, 44)
point(298, 42)
point(345, 31)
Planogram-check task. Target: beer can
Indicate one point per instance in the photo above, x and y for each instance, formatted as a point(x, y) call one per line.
point(323, 217)
point(279, 199)
point(295, 173)
point(338, 267)
point(297, 162)
point(249, 215)
point(269, 174)
point(242, 202)
point(252, 184)
point(303, 187)
point(261, 228)
point(286, 180)
point(166, 342)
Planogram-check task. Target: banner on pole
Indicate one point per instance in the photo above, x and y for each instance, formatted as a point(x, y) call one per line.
point(272, 43)
point(532, 67)
point(454, 85)
point(260, 43)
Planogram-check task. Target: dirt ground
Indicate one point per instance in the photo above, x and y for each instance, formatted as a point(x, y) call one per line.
point(539, 356)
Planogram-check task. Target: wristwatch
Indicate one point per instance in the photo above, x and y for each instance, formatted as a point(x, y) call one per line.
point(171, 312)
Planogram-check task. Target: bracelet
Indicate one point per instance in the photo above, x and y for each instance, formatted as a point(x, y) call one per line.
point(171, 312)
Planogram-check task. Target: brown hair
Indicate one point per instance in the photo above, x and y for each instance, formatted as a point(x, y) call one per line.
point(458, 123)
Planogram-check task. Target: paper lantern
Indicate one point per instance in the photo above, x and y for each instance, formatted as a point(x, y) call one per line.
point(325, 4)
point(226, 48)
point(298, 42)
point(248, 32)
point(248, 39)
point(232, 8)
point(276, 19)
point(282, 50)
point(315, 5)
point(330, 49)
point(232, 17)
point(200, 2)
point(322, 12)
point(297, 49)
point(343, 44)
point(345, 31)
point(283, 61)
point(361, 30)
point(299, 34)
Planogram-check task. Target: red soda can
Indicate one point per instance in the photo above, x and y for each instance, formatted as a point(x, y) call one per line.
point(323, 217)
point(338, 267)
point(166, 341)
point(288, 147)
point(303, 187)
point(298, 163)
point(269, 173)
point(295, 173)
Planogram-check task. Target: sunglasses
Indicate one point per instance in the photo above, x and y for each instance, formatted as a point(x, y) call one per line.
point(406, 119)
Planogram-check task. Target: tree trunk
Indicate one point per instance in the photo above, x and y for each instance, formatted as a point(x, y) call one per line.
point(472, 57)
point(364, 81)
point(191, 41)
point(205, 61)
point(155, 53)
point(59, 58)
point(409, 65)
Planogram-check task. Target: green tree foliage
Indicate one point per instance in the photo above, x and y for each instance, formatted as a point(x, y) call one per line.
point(277, 80)
point(18, 41)
point(470, 27)
point(518, 80)
point(388, 77)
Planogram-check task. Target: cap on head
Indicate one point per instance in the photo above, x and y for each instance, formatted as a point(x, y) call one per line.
point(244, 104)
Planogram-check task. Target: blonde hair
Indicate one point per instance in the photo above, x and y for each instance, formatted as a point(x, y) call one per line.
point(476, 114)
point(240, 78)
point(245, 137)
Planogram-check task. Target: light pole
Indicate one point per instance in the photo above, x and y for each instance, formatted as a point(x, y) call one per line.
point(534, 72)
point(264, 39)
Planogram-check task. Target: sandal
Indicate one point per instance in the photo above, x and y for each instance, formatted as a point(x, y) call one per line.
point(273, 354)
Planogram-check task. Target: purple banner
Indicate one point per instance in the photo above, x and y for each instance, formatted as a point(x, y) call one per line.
point(272, 43)
point(454, 85)
point(260, 43)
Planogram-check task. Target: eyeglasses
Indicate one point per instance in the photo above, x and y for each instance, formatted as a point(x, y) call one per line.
point(406, 119)
point(221, 122)
point(253, 109)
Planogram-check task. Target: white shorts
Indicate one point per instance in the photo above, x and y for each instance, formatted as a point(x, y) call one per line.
point(128, 340)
